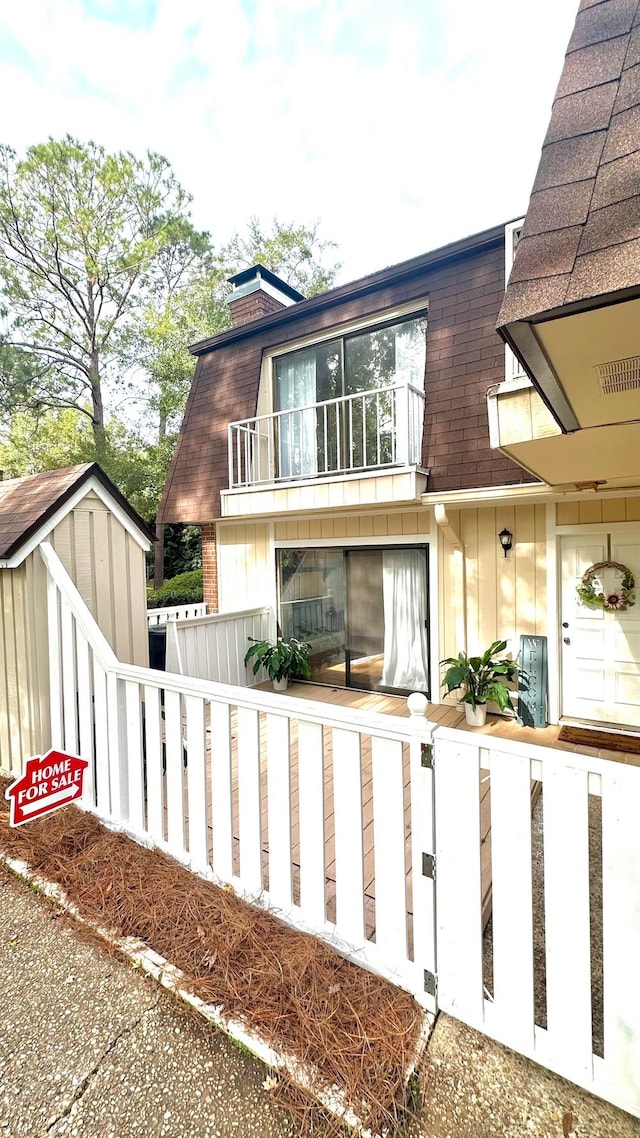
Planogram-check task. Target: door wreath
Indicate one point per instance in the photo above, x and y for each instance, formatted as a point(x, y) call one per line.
point(618, 599)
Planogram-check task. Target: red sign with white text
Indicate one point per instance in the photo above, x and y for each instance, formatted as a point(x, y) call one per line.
point(49, 782)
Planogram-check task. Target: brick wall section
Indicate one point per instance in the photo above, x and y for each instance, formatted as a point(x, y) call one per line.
point(464, 357)
point(210, 566)
point(253, 306)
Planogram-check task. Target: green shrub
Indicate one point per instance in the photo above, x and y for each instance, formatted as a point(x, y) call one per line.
point(185, 589)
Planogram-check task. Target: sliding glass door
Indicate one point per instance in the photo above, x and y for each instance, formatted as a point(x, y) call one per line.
point(364, 612)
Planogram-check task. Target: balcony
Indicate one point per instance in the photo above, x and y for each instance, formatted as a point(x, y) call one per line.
point(368, 431)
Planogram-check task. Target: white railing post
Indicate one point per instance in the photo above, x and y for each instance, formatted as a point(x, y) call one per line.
point(423, 848)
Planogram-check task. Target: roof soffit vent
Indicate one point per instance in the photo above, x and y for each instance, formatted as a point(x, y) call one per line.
point(618, 376)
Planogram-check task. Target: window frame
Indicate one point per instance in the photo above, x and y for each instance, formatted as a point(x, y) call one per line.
point(378, 319)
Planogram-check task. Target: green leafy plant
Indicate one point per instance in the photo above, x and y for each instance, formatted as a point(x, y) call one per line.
point(184, 589)
point(286, 659)
point(481, 678)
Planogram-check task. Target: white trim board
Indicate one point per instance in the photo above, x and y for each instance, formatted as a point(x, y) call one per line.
point(92, 484)
point(354, 542)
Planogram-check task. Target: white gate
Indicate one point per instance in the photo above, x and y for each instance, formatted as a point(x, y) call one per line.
point(556, 975)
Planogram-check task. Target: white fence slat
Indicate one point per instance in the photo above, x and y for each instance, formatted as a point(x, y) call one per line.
point(135, 772)
point(389, 848)
point(196, 782)
point(566, 897)
point(621, 930)
point(279, 809)
point(423, 889)
point(311, 821)
point(68, 678)
point(55, 668)
point(512, 896)
point(116, 748)
point(85, 718)
point(249, 799)
point(459, 908)
point(221, 789)
point(101, 726)
point(175, 770)
point(347, 808)
point(153, 756)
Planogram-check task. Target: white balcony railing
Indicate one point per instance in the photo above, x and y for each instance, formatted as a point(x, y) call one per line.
point(369, 430)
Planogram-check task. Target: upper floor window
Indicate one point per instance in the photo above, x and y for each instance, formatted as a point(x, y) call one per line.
point(388, 356)
point(350, 403)
point(344, 399)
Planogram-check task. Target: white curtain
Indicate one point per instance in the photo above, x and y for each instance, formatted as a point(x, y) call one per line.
point(410, 353)
point(297, 389)
point(404, 594)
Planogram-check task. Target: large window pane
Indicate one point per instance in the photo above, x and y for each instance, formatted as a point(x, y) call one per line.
point(363, 611)
point(311, 588)
point(386, 357)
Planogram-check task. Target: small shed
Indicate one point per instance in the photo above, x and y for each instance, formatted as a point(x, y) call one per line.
point(101, 541)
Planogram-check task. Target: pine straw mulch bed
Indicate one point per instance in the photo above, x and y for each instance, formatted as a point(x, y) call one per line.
point(355, 1030)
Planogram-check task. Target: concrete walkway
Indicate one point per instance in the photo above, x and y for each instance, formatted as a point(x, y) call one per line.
point(90, 1048)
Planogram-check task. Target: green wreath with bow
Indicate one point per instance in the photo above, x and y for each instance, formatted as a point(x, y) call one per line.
point(615, 601)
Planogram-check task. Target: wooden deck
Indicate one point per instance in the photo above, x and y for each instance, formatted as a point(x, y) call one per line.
point(452, 715)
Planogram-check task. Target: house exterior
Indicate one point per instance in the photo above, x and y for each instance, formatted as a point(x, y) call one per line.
point(352, 458)
point(322, 512)
point(101, 542)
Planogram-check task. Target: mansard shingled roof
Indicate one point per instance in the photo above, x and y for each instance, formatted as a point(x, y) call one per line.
point(581, 236)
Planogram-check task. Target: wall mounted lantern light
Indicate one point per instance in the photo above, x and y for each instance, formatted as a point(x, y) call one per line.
point(505, 538)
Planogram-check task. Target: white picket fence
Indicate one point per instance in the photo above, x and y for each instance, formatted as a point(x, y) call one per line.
point(176, 612)
point(213, 647)
point(265, 792)
point(334, 816)
point(565, 907)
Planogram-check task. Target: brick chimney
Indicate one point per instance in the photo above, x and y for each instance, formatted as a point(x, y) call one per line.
point(256, 293)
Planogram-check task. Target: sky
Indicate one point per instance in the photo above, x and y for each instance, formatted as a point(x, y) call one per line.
point(400, 124)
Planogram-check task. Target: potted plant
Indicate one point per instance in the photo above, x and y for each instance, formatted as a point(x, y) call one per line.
point(282, 660)
point(481, 678)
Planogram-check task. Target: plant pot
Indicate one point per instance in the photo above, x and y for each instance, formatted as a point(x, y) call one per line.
point(281, 684)
point(475, 716)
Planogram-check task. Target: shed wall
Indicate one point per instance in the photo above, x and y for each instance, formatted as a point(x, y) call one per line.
point(24, 664)
point(108, 568)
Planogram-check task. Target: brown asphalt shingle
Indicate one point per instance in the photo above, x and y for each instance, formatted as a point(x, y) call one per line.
point(26, 503)
point(579, 239)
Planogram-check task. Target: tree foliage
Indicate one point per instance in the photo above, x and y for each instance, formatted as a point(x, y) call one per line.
point(104, 284)
point(79, 231)
point(296, 253)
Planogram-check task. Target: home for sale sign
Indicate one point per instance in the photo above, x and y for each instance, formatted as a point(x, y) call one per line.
point(49, 782)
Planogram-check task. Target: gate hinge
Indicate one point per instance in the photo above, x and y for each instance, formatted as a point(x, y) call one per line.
point(429, 866)
point(430, 983)
point(426, 755)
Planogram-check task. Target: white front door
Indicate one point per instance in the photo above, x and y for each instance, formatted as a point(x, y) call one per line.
point(600, 651)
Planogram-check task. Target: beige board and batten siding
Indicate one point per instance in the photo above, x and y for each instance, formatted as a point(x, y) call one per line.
point(107, 567)
point(594, 511)
point(343, 492)
point(485, 596)
point(24, 678)
point(246, 561)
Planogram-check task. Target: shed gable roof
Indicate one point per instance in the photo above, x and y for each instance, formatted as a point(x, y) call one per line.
point(26, 504)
